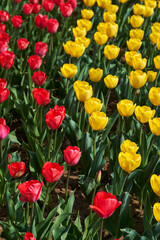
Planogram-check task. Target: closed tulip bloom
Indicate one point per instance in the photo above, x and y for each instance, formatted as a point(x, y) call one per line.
point(137, 79)
point(72, 155)
point(16, 21)
point(39, 78)
point(154, 37)
point(148, 11)
point(111, 29)
point(52, 25)
point(111, 81)
point(154, 125)
point(129, 56)
point(7, 59)
point(158, 43)
point(139, 63)
point(157, 62)
point(69, 70)
point(123, 1)
point(22, 43)
point(73, 3)
point(27, 8)
point(111, 52)
point(151, 76)
point(134, 44)
point(138, 9)
point(100, 38)
point(129, 161)
point(109, 17)
point(103, 3)
point(34, 62)
point(4, 37)
point(66, 9)
point(154, 96)
point(78, 84)
point(79, 32)
point(128, 146)
point(136, 33)
point(36, 8)
point(105, 204)
point(89, 3)
point(41, 49)
point(93, 105)
point(17, 1)
point(4, 129)
point(48, 5)
point(151, 3)
point(41, 21)
point(74, 49)
point(42, 96)
point(83, 41)
point(126, 108)
point(16, 169)
point(55, 117)
point(87, 13)
point(4, 16)
point(102, 28)
point(144, 113)
point(156, 211)
point(2, 27)
point(3, 46)
point(98, 121)
point(83, 92)
point(95, 74)
point(4, 93)
point(136, 21)
point(155, 184)
point(155, 28)
point(52, 171)
point(34, 1)
point(30, 191)
point(84, 23)
point(3, 83)
point(29, 236)
point(58, 2)
point(112, 8)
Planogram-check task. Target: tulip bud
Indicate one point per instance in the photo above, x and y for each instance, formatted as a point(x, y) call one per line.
point(95, 75)
point(9, 158)
point(136, 21)
point(98, 177)
point(87, 13)
point(126, 108)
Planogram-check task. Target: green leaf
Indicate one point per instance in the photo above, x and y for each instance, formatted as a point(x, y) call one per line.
point(87, 184)
point(10, 205)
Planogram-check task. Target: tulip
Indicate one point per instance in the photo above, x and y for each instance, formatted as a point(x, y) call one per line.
point(41, 49)
point(112, 8)
point(111, 52)
point(39, 78)
point(4, 93)
point(42, 96)
point(4, 16)
point(66, 9)
point(29, 236)
point(89, 3)
point(52, 171)
point(2, 27)
point(126, 108)
point(105, 204)
point(41, 21)
point(136, 21)
point(136, 33)
point(98, 121)
point(84, 23)
point(154, 96)
point(151, 76)
point(3, 46)
point(103, 3)
point(3, 83)
point(4, 129)
point(137, 79)
point(87, 13)
point(157, 62)
point(4, 37)
point(69, 70)
point(83, 91)
point(27, 8)
point(134, 44)
point(129, 161)
point(83, 41)
point(123, 1)
point(100, 38)
point(93, 105)
point(72, 155)
point(144, 113)
point(16, 21)
point(34, 1)
point(55, 117)
point(128, 146)
point(7, 59)
point(156, 211)
point(148, 11)
point(48, 5)
point(17, 1)
point(151, 3)
point(36, 8)
point(154, 125)
point(52, 25)
point(95, 74)
point(155, 184)
point(155, 28)
point(74, 49)
point(79, 32)
point(16, 169)
point(30, 191)
point(111, 81)
point(22, 44)
point(34, 62)
point(138, 9)
point(139, 63)
point(154, 37)
point(73, 3)
point(109, 17)
point(111, 29)
point(129, 56)
point(102, 28)
point(58, 2)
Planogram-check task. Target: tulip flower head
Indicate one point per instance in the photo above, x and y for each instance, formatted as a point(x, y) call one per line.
point(52, 171)
point(4, 129)
point(72, 155)
point(16, 169)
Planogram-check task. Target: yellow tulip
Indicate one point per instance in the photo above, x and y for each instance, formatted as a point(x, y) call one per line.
point(155, 184)
point(95, 74)
point(89, 3)
point(79, 83)
point(79, 32)
point(154, 125)
point(111, 29)
point(74, 49)
point(102, 28)
point(123, 1)
point(157, 62)
point(154, 96)
point(158, 4)
point(139, 63)
point(138, 9)
point(98, 120)
point(109, 17)
point(126, 108)
point(100, 38)
point(93, 105)
point(128, 146)
point(134, 44)
point(158, 43)
point(151, 76)
point(155, 28)
point(83, 41)
point(111, 81)
point(83, 91)
point(136, 21)
point(148, 11)
point(111, 52)
point(137, 79)
point(154, 37)
point(129, 161)
point(69, 70)
point(84, 23)
point(136, 33)
point(112, 8)
point(103, 3)
point(151, 3)
point(129, 56)
point(156, 211)
point(87, 13)
point(144, 113)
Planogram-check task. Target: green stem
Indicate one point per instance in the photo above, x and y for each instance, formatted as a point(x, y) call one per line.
point(51, 45)
point(27, 213)
point(133, 94)
point(67, 86)
point(40, 124)
point(140, 136)
point(99, 53)
point(149, 150)
point(1, 149)
point(120, 12)
point(78, 103)
point(92, 200)
point(108, 96)
point(14, 185)
point(124, 181)
point(46, 197)
point(67, 183)
point(50, 142)
point(94, 146)
point(80, 117)
point(32, 213)
point(123, 123)
point(101, 230)
point(55, 139)
point(156, 81)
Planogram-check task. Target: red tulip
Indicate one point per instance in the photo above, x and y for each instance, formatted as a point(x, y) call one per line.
point(55, 117)
point(52, 171)
point(41, 20)
point(52, 25)
point(41, 95)
point(3, 46)
point(16, 169)
point(22, 43)
point(34, 1)
point(36, 8)
point(4, 129)
point(39, 78)
point(27, 8)
point(7, 59)
point(4, 93)
point(16, 21)
point(66, 9)
point(4, 16)
point(30, 191)
point(17, 1)
point(2, 27)
point(72, 155)
point(29, 236)
point(41, 49)
point(4, 37)
point(9, 158)
point(48, 5)
point(3, 83)
point(58, 2)
point(73, 3)
point(105, 204)
point(34, 62)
